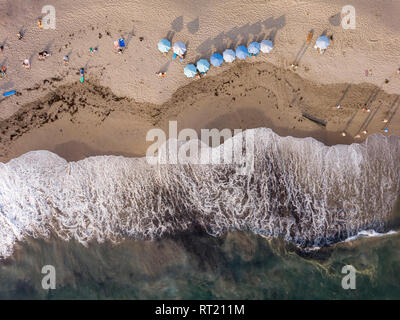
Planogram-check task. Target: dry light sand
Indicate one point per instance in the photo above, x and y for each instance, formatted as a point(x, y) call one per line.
point(122, 98)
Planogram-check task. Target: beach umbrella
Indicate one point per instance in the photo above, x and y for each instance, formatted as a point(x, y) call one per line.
point(322, 43)
point(179, 48)
point(164, 45)
point(190, 70)
point(229, 55)
point(216, 60)
point(254, 48)
point(241, 52)
point(266, 46)
point(203, 65)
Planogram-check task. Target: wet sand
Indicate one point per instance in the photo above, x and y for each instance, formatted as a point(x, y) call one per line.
point(77, 121)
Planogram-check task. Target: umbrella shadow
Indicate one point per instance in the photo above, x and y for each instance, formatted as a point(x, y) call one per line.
point(193, 26)
point(177, 24)
point(335, 20)
point(170, 35)
point(165, 67)
point(241, 36)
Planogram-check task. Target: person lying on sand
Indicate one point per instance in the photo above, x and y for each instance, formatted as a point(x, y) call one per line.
point(92, 51)
point(66, 60)
point(119, 45)
point(26, 64)
point(3, 71)
point(161, 74)
point(20, 35)
point(43, 55)
point(82, 74)
point(39, 22)
point(309, 37)
point(181, 56)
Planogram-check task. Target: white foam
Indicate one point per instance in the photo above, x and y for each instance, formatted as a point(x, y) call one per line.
point(301, 190)
point(369, 234)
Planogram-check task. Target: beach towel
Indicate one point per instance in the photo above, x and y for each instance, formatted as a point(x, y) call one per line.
point(9, 93)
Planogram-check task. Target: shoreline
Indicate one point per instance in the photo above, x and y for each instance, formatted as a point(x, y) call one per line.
point(77, 121)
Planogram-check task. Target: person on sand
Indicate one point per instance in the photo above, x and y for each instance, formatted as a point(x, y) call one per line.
point(1, 48)
point(309, 37)
point(3, 71)
point(117, 48)
point(20, 35)
point(180, 56)
point(66, 60)
point(26, 64)
point(40, 24)
point(43, 55)
point(82, 74)
point(200, 75)
point(161, 74)
point(92, 51)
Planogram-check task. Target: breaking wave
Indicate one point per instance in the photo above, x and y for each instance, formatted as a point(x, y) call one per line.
point(308, 193)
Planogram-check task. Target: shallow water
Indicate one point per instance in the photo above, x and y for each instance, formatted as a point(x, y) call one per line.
point(238, 265)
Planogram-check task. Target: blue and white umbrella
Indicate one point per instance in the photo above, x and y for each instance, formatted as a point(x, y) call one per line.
point(190, 70)
point(254, 48)
point(322, 43)
point(203, 65)
point(229, 55)
point(266, 46)
point(216, 60)
point(179, 48)
point(164, 45)
point(242, 52)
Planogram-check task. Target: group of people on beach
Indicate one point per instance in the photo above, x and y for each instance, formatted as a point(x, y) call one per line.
point(180, 54)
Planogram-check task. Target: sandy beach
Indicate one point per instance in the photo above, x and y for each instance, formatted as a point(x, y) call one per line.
point(279, 222)
point(122, 98)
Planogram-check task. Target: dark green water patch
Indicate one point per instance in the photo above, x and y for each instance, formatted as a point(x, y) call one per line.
point(238, 265)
